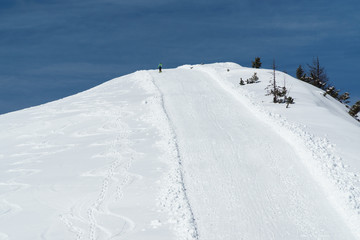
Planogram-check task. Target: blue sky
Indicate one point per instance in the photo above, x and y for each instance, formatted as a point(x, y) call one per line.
point(54, 48)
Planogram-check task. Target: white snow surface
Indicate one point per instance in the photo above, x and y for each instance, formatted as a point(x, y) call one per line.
point(185, 154)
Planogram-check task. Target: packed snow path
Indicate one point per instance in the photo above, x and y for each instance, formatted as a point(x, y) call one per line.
point(243, 180)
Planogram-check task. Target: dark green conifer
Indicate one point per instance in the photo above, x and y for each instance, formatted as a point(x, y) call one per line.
point(318, 75)
point(256, 63)
point(344, 98)
point(300, 73)
point(355, 109)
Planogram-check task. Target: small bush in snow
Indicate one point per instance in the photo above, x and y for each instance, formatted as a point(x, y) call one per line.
point(279, 93)
point(241, 82)
point(272, 88)
point(289, 100)
point(253, 79)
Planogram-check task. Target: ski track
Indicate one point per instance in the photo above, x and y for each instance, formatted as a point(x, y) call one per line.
point(73, 130)
point(115, 177)
point(8, 208)
point(82, 218)
point(301, 215)
point(118, 166)
point(334, 177)
point(174, 198)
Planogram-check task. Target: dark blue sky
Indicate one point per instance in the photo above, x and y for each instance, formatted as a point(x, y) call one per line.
point(54, 48)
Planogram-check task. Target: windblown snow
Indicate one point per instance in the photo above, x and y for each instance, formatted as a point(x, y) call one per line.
point(186, 154)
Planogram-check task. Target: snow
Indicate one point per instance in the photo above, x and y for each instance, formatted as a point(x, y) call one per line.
point(183, 154)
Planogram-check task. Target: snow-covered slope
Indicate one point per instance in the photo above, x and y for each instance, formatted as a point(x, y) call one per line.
point(185, 154)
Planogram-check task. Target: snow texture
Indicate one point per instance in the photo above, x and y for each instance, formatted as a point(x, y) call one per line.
point(184, 154)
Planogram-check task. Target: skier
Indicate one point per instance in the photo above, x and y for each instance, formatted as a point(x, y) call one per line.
point(160, 67)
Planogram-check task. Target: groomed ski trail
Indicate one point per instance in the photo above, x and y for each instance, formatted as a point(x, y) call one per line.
point(243, 180)
point(174, 199)
point(318, 154)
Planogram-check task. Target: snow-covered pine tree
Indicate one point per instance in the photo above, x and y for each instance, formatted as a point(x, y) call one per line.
point(254, 79)
point(332, 92)
point(276, 91)
point(355, 109)
point(344, 98)
point(272, 89)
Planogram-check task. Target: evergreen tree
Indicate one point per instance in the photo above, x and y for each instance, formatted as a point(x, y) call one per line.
point(272, 88)
point(318, 75)
point(289, 100)
point(256, 63)
point(344, 98)
point(332, 92)
point(355, 109)
point(300, 73)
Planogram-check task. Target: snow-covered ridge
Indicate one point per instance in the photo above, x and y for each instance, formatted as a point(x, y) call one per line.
point(318, 153)
point(185, 154)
